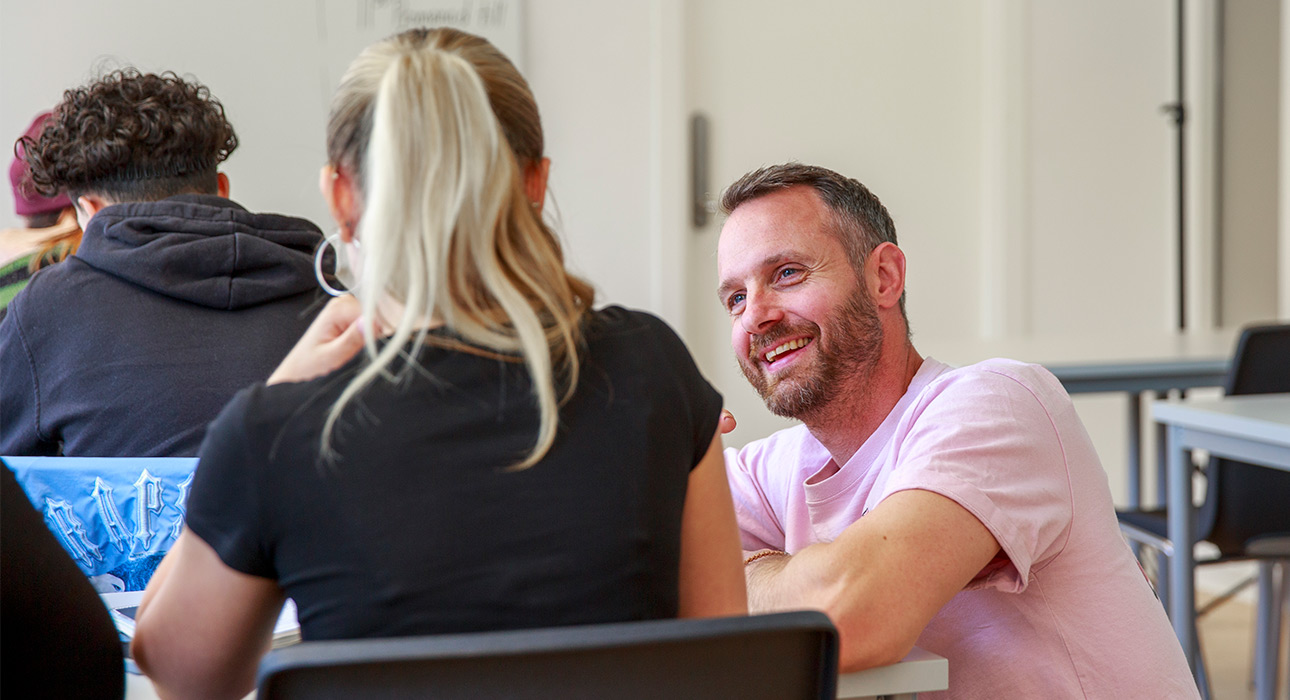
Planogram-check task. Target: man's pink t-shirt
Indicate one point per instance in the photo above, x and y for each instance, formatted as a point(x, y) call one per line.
point(1069, 614)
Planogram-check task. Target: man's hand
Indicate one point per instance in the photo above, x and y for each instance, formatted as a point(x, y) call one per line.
point(727, 422)
point(330, 341)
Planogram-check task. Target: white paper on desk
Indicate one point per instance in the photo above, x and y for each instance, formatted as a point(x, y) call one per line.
point(287, 631)
point(124, 605)
point(123, 618)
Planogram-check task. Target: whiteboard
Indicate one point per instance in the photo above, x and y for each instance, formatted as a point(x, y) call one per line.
point(273, 65)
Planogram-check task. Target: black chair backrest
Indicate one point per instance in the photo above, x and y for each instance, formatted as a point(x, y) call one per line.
point(1244, 500)
point(781, 656)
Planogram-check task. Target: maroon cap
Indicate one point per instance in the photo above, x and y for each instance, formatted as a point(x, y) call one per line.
point(26, 201)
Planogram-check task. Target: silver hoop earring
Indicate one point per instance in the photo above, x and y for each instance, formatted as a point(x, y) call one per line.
point(318, 266)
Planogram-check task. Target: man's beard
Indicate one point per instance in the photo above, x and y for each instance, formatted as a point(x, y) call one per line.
point(850, 350)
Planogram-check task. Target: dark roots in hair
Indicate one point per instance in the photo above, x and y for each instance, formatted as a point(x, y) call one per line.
point(131, 136)
point(857, 208)
point(862, 223)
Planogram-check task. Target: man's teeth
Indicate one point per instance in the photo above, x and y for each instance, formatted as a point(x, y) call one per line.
point(790, 345)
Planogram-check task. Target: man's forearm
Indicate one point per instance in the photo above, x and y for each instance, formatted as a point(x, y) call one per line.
point(807, 580)
point(769, 589)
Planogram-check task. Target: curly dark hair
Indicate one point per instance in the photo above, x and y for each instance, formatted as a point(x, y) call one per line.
point(131, 136)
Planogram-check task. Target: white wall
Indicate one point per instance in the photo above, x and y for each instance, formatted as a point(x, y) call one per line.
point(589, 65)
point(267, 63)
point(250, 54)
point(1249, 161)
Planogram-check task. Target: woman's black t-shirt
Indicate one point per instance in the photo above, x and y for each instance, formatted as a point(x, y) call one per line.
point(418, 527)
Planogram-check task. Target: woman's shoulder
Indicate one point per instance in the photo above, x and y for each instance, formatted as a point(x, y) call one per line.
point(642, 345)
point(643, 338)
point(617, 323)
point(261, 410)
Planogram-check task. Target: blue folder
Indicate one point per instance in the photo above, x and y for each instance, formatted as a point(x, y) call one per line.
point(116, 516)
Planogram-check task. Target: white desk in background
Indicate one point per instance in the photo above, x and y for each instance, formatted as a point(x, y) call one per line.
point(919, 672)
point(1253, 429)
point(1129, 363)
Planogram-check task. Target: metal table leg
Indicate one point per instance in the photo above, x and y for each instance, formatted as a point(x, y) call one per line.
point(1182, 582)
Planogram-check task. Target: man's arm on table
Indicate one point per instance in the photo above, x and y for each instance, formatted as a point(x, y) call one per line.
point(884, 578)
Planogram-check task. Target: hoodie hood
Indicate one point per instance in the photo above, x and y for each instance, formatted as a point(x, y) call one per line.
point(203, 249)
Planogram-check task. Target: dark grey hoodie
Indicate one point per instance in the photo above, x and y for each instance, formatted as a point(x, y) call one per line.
point(131, 346)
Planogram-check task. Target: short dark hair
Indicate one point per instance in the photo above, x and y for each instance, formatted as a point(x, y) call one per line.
point(861, 222)
point(131, 136)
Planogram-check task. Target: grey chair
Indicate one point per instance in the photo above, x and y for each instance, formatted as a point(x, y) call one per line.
point(1245, 512)
point(781, 656)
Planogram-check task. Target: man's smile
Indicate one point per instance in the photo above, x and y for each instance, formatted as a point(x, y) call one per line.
point(779, 353)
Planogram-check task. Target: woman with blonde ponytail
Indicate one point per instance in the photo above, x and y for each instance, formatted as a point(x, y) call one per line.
point(462, 443)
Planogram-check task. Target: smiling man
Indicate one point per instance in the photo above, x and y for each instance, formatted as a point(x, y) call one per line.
point(960, 509)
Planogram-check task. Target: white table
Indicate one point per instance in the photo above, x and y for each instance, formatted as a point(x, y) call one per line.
point(1101, 362)
point(919, 672)
point(1253, 429)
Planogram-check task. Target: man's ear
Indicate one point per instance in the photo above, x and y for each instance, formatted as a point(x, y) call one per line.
point(342, 200)
point(87, 205)
point(221, 185)
point(885, 273)
point(535, 177)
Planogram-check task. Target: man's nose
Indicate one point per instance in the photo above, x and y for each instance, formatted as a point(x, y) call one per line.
point(760, 313)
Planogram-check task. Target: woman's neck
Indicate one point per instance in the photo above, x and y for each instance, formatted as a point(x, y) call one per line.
point(389, 312)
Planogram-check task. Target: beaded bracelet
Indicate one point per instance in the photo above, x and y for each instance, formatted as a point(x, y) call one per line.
point(763, 553)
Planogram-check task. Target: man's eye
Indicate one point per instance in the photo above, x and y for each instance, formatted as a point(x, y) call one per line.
point(789, 272)
point(735, 300)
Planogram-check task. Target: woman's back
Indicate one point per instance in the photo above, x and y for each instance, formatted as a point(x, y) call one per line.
point(531, 464)
point(420, 527)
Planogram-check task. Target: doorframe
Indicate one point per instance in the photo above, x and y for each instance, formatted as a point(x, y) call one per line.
point(1005, 252)
point(669, 227)
point(1201, 212)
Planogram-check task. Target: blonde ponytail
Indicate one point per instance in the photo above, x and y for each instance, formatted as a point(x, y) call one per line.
point(447, 231)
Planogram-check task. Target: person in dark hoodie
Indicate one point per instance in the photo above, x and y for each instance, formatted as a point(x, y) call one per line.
point(177, 297)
